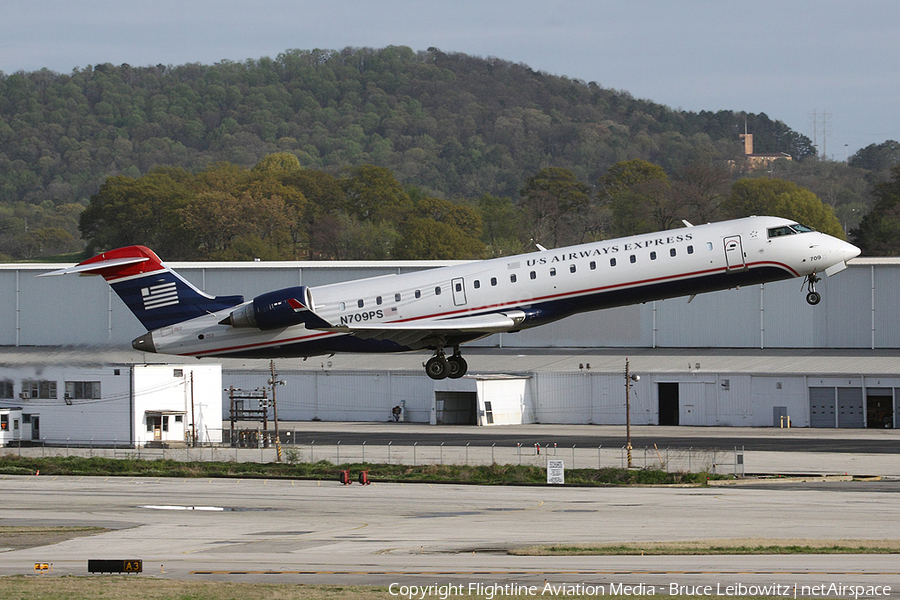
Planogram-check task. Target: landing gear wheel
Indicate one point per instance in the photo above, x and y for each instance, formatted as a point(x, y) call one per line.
point(437, 367)
point(813, 298)
point(458, 366)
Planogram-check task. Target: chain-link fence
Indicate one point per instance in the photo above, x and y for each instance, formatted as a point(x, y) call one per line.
point(263, 449)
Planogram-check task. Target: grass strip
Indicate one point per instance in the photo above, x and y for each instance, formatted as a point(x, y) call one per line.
point(12, 464)
point(726, 547)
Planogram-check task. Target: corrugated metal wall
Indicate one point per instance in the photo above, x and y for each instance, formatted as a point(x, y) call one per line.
point(857, 310)
point(340, 396)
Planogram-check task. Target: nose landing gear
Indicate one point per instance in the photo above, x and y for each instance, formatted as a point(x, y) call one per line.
point(441, 367)
point(812, 296)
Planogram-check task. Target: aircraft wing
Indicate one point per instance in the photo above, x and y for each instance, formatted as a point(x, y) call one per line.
point(408, 333)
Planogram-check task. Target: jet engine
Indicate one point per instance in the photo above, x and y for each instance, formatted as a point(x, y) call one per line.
point(274, 310)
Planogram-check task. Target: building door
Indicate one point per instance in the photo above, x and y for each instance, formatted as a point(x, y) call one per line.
point(668, 403)
point(35, 427)
point(734, 253)
point(879, 408)
point(850, 408)
point(459, 291)
point(456, 408)
point(821, 407)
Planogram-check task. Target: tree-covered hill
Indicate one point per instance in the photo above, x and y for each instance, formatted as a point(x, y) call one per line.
point(294, 157)
point(452, 124)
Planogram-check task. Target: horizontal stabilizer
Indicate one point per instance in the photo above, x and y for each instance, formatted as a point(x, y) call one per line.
point(98, 267)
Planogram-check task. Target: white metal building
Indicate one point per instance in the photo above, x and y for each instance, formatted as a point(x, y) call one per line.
point(124, 404)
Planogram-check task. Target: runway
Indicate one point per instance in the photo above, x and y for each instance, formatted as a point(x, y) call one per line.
point(420, 534)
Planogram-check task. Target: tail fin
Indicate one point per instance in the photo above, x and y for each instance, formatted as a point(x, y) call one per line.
point(155, 294)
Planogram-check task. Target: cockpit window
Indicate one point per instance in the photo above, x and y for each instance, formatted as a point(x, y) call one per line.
point(789, 230)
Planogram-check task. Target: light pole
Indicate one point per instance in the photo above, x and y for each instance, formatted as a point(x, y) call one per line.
point(628, 379)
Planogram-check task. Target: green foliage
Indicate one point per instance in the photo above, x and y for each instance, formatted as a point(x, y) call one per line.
point(453, 125)
point(879, 231)
point(780, 198)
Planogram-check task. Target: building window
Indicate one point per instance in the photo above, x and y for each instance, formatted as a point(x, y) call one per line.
point(179, 418)
point(6, 389)
point(39, 389)
point(83, 390)
point(4, 422)
point(178, 373)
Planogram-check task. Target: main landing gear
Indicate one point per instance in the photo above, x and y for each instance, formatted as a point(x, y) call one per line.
point(813, 297)
point(440, 366)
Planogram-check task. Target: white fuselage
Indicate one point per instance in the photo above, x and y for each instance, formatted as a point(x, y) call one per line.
point(543, 286)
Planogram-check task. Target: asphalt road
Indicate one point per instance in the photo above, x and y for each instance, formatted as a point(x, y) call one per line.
point(420, 534)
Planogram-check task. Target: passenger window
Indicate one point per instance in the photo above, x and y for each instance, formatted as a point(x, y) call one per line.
point(437, 291)
point(493, 281)
point(458, 287)
point(632, 258)
point(652, 256)
point(342, 306)
point(671, 251)
point(571, 268)
point(396, 297)
point(533, 275)
point(690, 249)
point(553, 272)
point(378, 300)
point(477, 284)
point(612, 262)
point(593, 265)
point(709, 246)
point(360, 303)
point(512, 278)
point(418, 294)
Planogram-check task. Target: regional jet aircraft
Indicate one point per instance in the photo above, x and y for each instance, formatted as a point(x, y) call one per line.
point(440, 309)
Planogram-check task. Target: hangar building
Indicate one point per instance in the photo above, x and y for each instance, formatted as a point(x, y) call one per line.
point(741, 357)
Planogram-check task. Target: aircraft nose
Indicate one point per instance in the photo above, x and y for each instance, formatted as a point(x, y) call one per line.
point(850, 251)
point(144, 343)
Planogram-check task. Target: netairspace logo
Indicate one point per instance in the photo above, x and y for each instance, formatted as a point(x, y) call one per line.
point(490, 591)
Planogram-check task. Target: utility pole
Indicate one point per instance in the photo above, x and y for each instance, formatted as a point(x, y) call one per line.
point(193, 420)
point(628, 379)
point(275, 382)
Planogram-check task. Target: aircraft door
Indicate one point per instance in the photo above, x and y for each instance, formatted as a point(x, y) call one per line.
point(734, 253)
point(459, 291)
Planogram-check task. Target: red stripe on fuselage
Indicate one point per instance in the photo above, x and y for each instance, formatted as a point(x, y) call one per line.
point(489, 307)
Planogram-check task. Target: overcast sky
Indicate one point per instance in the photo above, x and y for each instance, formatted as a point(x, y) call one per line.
point(791, 59)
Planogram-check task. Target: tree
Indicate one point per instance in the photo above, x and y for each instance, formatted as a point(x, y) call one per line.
point(503, 225)
point(374, 194)
point(553, 199)
point(144, 211)
point(780, 198)
point(439, 229)
point(878, 233)
point(640, 197)
point(876, 157)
